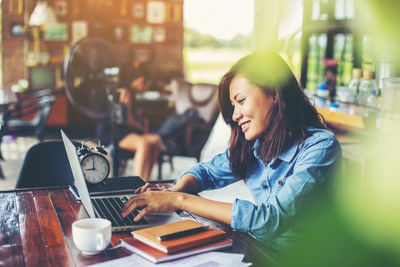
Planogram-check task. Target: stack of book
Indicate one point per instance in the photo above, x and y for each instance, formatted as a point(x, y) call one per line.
point(175, 240)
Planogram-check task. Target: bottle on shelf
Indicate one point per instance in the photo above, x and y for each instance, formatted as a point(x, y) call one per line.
point(390, 108)
point(372, 100)
point(354, 85)
point(372, 112)
point(322, 95)
point(366, 86)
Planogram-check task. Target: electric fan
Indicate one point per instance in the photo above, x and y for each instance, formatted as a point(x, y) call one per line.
point(91, 77)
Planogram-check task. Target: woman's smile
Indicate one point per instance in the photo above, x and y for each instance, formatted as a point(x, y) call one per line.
point(245, 126)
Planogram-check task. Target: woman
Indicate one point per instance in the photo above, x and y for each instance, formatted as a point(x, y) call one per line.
point(146, 146)
point(278, 144)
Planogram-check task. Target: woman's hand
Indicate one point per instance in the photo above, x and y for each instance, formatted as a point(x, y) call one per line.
point(151, 187)
point(153, 201)
point(144, 188)
point(157, 199)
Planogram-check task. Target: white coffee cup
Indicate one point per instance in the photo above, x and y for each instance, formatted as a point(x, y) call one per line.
point(91, 236)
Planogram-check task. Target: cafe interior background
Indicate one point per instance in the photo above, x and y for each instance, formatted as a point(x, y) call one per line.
point(197, 41)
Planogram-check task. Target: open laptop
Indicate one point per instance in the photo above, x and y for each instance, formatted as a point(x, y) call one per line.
point(110, 206)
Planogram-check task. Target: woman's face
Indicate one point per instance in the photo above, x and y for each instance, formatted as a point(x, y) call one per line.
point(251, 107)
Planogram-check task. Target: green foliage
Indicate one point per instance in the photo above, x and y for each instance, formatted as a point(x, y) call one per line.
point(195, 39)
point(289, 49)
point(208, 58)
point(210, 64)
point(240, 41)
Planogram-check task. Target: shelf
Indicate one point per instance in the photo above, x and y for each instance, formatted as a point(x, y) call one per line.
point(353, 121)
point(348, 115)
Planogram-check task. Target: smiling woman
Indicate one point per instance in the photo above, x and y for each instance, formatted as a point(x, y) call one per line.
point(278, 145)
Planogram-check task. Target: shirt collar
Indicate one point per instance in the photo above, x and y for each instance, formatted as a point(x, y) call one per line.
point(255, 146)
point(287, 155)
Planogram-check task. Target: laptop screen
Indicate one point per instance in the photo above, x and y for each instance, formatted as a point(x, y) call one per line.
point(79, 180)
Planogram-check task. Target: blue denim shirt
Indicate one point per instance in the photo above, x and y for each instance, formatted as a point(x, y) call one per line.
point(280, 188)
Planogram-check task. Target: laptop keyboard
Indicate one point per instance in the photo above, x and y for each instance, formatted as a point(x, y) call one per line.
point(110, 208)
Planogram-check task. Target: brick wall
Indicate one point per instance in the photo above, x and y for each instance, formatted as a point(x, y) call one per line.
point(13, 65)
point(166, 59)
point(166, 56)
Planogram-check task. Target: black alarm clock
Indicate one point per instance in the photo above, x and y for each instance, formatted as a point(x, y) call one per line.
point(94, 164)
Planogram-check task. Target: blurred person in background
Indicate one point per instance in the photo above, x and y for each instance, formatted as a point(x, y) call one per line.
point(135, 78)
point(147, 145)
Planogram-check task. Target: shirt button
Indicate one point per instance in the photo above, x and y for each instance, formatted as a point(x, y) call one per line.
point(280, 182)
point(265, 186)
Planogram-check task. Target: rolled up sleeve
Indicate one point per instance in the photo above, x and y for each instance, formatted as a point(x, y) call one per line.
point(213, 174)
point(290, 195)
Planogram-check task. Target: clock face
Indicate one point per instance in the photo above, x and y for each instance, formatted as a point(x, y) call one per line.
point(95, 168)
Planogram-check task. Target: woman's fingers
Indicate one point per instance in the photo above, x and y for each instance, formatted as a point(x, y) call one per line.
point(132, 204)
point(128, 208)
point(139, 190)
point(142, 213)
point(142, 188)
point(151, 201)
point(147, 187)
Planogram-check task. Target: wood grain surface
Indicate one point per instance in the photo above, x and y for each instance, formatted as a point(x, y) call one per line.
point(35, 230)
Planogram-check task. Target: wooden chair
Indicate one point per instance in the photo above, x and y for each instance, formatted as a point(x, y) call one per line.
point(202, 97)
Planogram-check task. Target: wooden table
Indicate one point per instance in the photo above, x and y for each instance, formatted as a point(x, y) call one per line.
point(36, 231)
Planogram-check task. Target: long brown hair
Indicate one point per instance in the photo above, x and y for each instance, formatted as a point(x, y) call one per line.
point(291, 114)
